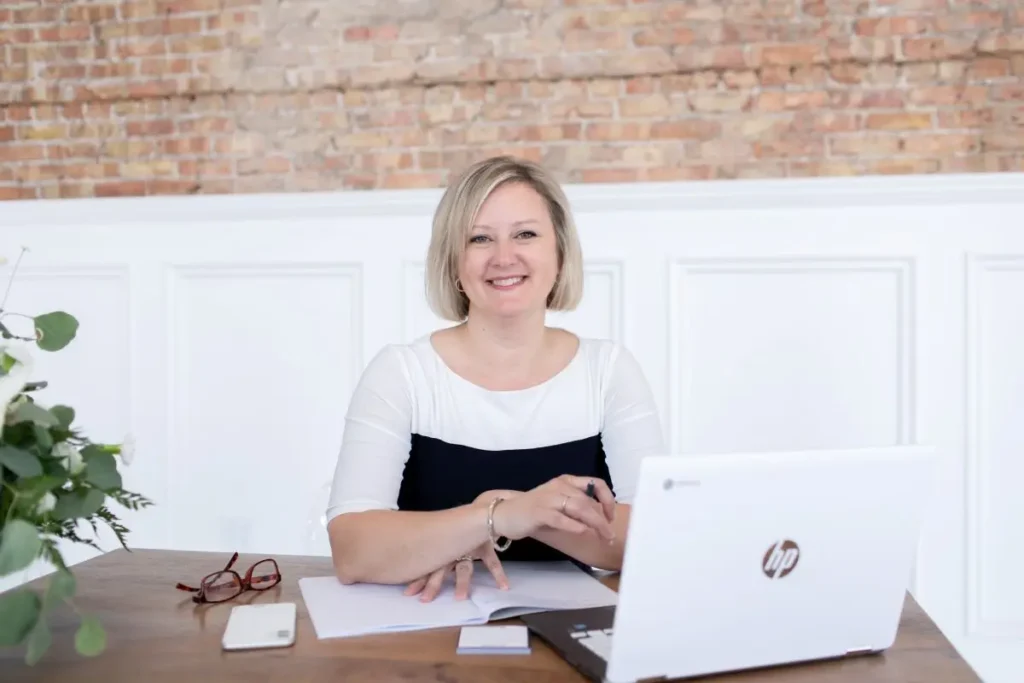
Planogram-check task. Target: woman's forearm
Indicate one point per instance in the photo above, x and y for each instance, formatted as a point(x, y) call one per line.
point(397, 546)
point(588, 547)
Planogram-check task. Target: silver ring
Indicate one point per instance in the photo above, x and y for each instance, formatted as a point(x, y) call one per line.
point(565, 501)
point(464, 558)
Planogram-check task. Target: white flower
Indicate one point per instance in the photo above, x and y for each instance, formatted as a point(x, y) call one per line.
point(128, 449)
point(46, 503)
point(70, 457)
point(17, 377)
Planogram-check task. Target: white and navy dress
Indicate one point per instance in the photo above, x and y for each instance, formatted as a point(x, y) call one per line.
point(420, 437)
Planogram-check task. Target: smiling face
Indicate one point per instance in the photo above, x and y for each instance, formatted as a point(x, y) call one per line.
point(510, 262)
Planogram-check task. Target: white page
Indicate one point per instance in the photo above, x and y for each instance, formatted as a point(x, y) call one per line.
point(539, 586)
point(339, 610)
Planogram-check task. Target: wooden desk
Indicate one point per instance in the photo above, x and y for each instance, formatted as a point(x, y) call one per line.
point(156, 633)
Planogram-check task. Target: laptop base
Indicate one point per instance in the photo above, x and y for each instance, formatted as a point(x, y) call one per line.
point(567, 631)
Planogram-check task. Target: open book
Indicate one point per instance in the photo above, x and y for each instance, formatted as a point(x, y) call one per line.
point(337, 610)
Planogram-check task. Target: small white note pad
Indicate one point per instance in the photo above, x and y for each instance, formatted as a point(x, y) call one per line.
point(494, 640)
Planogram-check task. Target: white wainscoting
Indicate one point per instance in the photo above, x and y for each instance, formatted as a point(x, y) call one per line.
point(226, 334)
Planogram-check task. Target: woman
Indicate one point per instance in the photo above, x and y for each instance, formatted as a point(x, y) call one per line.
point(484, 436)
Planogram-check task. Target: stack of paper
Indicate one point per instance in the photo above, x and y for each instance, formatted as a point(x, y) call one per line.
point(339, 610)
point(507, 639)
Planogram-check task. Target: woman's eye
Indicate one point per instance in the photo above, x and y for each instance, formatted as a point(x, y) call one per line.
point(527, 233)
point(477, 239)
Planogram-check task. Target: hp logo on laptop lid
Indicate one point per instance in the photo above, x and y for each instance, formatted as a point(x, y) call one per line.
point(780, 559)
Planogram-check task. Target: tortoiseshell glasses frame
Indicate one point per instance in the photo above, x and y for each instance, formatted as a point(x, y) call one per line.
point(226, 584)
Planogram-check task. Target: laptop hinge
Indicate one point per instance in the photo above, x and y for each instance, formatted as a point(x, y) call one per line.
point(859, 651)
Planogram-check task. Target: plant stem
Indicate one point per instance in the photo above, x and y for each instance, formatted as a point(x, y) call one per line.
point(10, 281)
point(7, 511)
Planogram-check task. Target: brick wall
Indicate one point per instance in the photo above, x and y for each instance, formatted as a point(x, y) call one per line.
point(182, 96)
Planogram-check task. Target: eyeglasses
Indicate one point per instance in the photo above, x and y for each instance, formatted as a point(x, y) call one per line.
point(227, 584)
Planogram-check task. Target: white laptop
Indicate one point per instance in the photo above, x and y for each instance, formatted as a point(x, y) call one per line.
point(745, 561)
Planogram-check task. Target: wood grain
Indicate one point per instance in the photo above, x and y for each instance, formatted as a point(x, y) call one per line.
point(156, 634)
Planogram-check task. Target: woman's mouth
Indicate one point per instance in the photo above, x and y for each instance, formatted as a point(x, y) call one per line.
point(506, 283)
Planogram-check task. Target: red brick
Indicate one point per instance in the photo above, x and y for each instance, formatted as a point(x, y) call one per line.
point(902, 121)
point(944, 144)
point(9, 192)
point(788, 55)
point(120, 188)
point(893, 26)
point(935, 48)
point(875, 144)
point(901, 166)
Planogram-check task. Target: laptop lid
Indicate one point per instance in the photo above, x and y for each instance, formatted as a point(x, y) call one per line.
point(741, 561)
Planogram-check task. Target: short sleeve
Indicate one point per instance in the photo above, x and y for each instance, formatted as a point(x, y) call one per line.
point(631, 429)
point(376, 440)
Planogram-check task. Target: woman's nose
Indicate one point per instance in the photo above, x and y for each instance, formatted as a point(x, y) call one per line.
point(505, 251)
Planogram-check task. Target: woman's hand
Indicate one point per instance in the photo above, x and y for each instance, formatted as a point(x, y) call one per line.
point(429, 586)
point(561, 503)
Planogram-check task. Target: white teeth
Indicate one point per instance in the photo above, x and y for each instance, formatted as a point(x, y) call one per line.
point(508, 281)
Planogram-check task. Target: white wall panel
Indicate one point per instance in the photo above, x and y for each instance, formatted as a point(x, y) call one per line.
point(774, 353)
point(995, 444)
point(263, 360)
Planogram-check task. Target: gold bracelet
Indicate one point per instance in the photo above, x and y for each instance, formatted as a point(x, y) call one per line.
point(490, 527)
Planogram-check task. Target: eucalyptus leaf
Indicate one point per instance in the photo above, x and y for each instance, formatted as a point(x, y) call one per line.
point(39, 641)
point(60, 588)
point(22, 463)
point(20, 608)
point(34, 487)
point(90, 639)
point(19, 546)
point(44, 440)
point(54, 467)
point(91, 451)
point(101, 471)
point(64, 414)
point(55, 330)
point(27, 411)
point(78, 503)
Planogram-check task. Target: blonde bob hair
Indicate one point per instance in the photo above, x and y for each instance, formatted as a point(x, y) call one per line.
point(456, 213)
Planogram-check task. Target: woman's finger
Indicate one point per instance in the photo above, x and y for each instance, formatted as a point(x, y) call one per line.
point(416, 586)
point(602, 493)
point(463, 575)
point(605, 497)
point(586, 510)
point(434, 583)
point(556, 520)
point(491, 561)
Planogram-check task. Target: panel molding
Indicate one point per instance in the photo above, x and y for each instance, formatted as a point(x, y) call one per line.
point(976, 457)
point(614, 269)
point(905, 267)
point(713, 195)
point(412, 270)
point(177, 274)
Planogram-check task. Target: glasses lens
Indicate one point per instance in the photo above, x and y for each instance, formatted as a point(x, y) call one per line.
point(222, 586)
point(265, 575)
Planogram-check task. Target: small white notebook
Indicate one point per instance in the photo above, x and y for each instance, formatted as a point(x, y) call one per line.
point(338, 610)
point(510, 639)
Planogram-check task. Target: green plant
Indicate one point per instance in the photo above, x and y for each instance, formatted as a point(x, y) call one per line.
point(54, 479)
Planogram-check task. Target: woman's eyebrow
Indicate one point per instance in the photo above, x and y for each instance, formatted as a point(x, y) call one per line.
point(525, 221)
